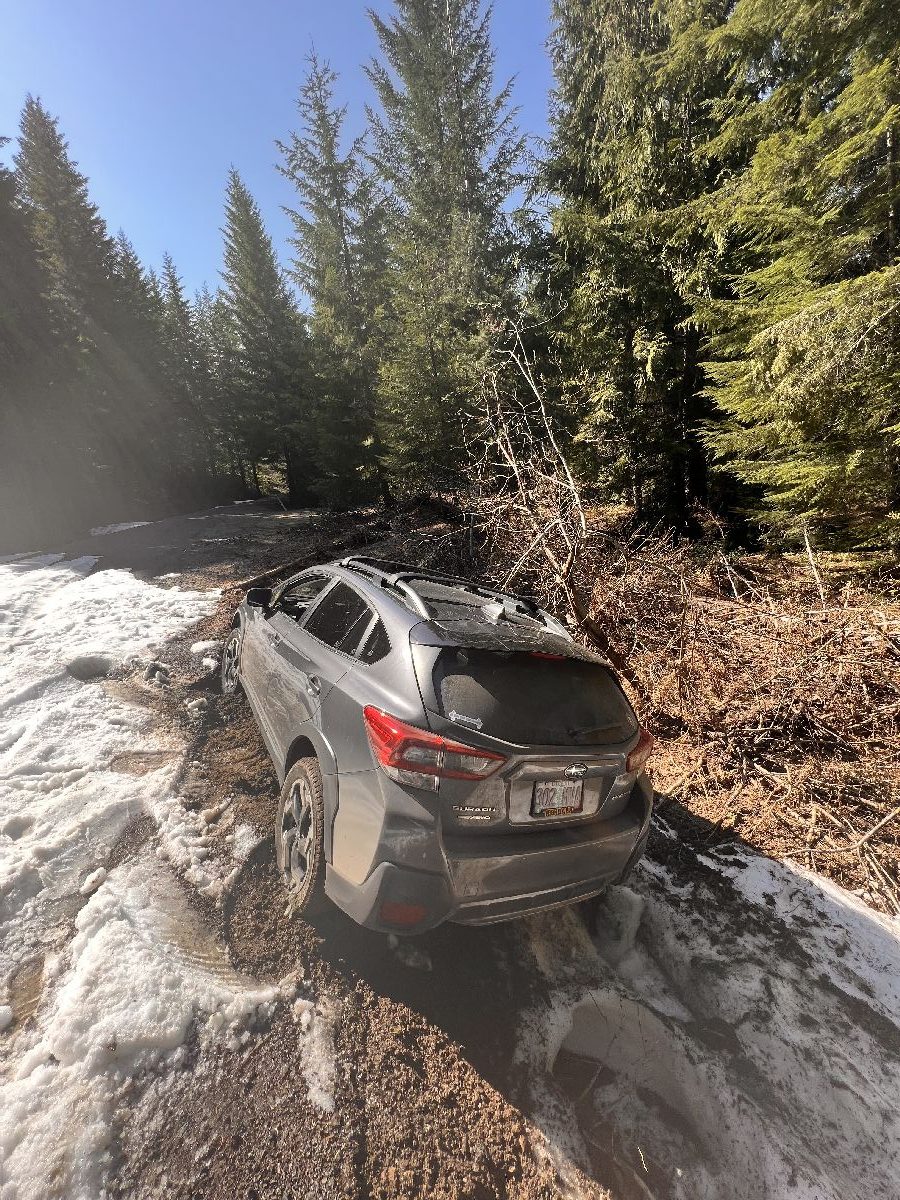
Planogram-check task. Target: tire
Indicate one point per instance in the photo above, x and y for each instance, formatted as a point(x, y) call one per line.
point(301, 859)
point(231, 658)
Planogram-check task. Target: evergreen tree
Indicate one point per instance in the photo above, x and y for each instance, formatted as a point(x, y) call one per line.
point(339, 239)
point(187, 385)
point(444, 143)
point(631, 125)
point(807, 353)
point(34, 373)
point(113, 408)
point(271, 381)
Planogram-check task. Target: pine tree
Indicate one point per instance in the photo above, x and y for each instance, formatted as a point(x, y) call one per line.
point(187, 385)
point(807, 353)
point(34, 372)
point(113, 406)
point(271, 370)
point(445, 144)
point(340, 246)
point(631, 126)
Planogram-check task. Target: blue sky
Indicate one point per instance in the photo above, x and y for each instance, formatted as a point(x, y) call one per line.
point(159, 97)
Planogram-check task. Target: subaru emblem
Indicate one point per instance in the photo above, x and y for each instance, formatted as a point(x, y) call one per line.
point(576, 771)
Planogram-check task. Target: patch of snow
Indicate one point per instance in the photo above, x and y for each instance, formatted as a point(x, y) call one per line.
point(170, 575)
point(34, 557)
point(204, 647)
point(184, 842)
point(317, 1054)
point(103, 530)
point(93, 881)
point(6, 1016)
point(743, 1022)
point(411, 955)
point(244, 840)
point(142, 973)
point(209, 663)
point(61, 804)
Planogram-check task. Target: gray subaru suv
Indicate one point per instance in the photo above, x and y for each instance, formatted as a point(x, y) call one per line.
point(446, 751)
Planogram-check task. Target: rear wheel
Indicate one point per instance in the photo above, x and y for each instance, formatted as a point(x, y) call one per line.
point(231, 656)
point(299, 830)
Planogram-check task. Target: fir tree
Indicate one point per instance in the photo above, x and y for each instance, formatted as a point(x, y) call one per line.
point(191, 430)
point(807, 349)
point(36, 433)
point(339, 240)
point(631, 123)
point(445, 144)
point(271, 369)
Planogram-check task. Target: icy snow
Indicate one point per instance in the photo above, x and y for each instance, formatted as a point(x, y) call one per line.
point(142, 974)
point(118, 1000)
point(103, 530)
point(61, 802)
point(316, 1052)
point(93, 881)
point(204, 647)
point(744, 1020)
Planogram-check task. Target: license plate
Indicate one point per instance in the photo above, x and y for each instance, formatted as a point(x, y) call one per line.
point(557, 799)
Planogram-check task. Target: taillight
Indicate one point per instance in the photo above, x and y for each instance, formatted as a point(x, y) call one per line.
point(637, 759)
point(422, 759)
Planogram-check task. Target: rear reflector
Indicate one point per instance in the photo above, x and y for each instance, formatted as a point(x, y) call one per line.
point(637, 759)
point(393, 913)
point(422, 759)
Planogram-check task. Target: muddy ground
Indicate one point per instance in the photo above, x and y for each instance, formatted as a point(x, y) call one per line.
point(426, 1099)
point(448, 1077)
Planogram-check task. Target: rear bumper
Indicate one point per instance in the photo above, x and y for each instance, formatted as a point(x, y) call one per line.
point(523, 873)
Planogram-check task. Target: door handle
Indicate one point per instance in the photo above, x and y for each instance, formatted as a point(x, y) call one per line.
point(313, 685)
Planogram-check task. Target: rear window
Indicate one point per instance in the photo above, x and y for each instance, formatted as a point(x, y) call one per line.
point(377, 645)
point(526, 698)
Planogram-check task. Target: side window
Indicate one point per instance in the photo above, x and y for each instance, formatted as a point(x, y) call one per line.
point(341, 619)
point(295, 600)
point(377, 644)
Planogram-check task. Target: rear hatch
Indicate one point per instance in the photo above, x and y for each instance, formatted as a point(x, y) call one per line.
point(553, 709)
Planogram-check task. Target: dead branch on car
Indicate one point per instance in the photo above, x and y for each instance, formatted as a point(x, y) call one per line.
point(527, 495)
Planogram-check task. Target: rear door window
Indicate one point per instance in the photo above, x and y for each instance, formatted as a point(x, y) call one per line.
point(525, 698)
point(341, 619)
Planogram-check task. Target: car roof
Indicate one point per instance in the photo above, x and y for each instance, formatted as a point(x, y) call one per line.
point(448, 610)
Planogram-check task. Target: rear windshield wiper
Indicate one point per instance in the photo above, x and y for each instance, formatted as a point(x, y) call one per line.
point(577, 734)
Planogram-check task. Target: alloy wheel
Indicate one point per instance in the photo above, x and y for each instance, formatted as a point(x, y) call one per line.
point(297, 834)
point(230, 664)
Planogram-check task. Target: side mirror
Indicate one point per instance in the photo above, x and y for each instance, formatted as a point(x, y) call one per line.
point(259, 597)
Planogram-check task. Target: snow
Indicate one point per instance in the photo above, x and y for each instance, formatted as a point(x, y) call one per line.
point(141, 975)
point(128, 978)
point(743, 1016)
point(317, 1058)
point(244, 840)
point(62, 803)
point(205, 647)
point(93, 881)
point(103, 530)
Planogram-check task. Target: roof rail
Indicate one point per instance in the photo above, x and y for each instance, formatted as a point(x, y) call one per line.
point(399, 575)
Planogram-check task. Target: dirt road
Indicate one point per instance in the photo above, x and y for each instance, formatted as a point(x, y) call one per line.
point(730, 1031)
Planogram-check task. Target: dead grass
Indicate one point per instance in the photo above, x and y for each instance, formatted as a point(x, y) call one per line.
point(773, 686)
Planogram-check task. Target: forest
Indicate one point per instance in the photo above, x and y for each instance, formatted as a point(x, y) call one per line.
point(694, 282)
